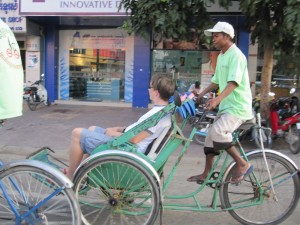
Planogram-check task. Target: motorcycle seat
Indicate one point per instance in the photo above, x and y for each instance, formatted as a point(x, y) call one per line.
point(31, 89)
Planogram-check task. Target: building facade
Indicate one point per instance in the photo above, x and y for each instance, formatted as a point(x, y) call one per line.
point(86, 56)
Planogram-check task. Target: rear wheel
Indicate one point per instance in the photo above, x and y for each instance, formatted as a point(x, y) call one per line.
point(31, 103)
point(294, 106)
point(117, 190)
point(48, 103)
point(261, 205)
point(293, 139)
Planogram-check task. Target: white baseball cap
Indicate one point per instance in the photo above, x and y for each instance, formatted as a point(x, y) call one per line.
point(221, 27)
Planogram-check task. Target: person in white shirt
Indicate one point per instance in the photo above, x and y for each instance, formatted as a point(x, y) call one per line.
point(195, 88)
point(84, 141)
point(11, 75)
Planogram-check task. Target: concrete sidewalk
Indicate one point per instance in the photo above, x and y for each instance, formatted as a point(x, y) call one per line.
point(51, 126)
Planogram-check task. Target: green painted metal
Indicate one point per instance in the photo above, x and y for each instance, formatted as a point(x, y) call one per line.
point(176, 140)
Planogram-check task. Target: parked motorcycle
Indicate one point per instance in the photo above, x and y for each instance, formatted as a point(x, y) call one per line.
point(285, 123)
point(36, 94)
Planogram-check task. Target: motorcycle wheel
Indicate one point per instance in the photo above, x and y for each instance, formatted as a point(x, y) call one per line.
point(293, 139)
point(266, 137)
point(48, 103)
point(31, 104)
point(294, 106)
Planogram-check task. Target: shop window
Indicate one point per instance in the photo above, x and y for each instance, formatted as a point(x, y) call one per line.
point(97, 74)
point(184, 66)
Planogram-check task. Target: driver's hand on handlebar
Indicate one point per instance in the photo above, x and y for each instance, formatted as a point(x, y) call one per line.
point(199, 96)
point(211, 104)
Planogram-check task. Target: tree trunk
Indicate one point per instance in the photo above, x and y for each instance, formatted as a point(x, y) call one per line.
point(266, 78)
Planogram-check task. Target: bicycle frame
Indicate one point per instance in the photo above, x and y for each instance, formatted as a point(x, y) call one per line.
point(116, 164)
point(217, 182)
point(159, 163)
point(31, 209)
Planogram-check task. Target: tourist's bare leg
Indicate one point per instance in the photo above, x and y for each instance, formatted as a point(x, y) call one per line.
point(75, 152)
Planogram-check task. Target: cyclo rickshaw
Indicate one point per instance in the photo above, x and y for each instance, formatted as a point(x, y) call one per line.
point(119, 185)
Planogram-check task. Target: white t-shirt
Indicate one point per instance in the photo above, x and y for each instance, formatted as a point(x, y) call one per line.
point(192, 88)
point(154, 131)
point(11, 74)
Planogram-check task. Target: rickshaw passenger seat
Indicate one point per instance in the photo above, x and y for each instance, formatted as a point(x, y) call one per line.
point(156, 146)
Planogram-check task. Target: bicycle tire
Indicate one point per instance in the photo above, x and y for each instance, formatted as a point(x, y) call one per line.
point(34, 185)
point(117, 190)
point(31, 104)
point(293, 138)
point(47, 102)
point(267, 211)
point(294, 106)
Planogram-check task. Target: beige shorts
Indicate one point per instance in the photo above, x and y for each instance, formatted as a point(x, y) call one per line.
point(221, 130)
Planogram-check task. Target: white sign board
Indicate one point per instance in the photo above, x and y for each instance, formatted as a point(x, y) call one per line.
point(9, 13)
point(70, 7)
point(32, 66)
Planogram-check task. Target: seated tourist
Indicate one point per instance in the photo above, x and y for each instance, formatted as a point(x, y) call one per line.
point(84, 141)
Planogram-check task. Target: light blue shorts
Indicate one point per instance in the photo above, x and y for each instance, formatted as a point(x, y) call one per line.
point(89, 140)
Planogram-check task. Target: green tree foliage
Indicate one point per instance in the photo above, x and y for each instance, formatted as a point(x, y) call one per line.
point(168, 18)
point(277, 21)
point(275, 25)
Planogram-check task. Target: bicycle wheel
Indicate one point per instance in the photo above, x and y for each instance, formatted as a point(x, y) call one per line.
point(27, 187)
point(31, 104)
point(294, 106)
point(47, 102)
point(117, 190)
point(265, 209)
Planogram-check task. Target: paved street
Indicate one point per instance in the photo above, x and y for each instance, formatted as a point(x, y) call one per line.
point(52, 126)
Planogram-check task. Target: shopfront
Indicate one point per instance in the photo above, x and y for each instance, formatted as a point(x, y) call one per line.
point(94, 65)
point(185, 66)
point(192, 60)
point(86, 56)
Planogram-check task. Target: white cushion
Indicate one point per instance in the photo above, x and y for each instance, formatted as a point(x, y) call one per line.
point(153, 153)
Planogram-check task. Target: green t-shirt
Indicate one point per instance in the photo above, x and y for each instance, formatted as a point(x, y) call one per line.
point(232, 66)
point(11, 74)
